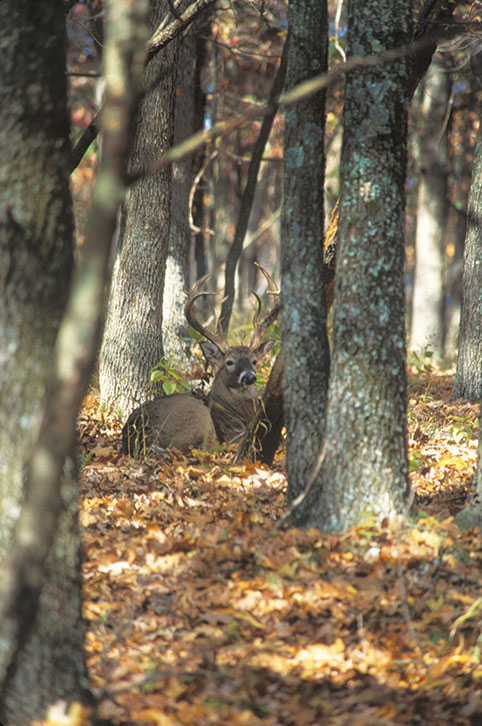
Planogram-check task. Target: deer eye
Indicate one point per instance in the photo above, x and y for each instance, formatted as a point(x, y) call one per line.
point(254, 362)
point(230, 363)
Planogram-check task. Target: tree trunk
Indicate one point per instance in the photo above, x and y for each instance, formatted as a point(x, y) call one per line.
point(260, 438)
point(263, 435)
point(365, 464)
point(36, 230)
point(303, 321)
point(48, 664)
point(41, 654)
point(132, 341)
point(175, 325)
point(37, 636)
point(427, 329)
point(468, 377)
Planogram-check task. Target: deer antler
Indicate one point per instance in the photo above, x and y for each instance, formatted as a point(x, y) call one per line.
point(259, 330)
point(217, 338)
point(273, 288)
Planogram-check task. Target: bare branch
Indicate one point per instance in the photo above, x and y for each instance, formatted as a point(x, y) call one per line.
point(248, 193)
point(89, 135)
point(164, 33)
point(298, 93)
point(194, 187)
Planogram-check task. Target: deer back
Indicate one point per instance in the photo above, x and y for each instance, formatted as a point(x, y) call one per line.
point(180, 420)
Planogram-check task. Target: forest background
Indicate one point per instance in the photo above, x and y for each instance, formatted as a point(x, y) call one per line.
point(230, 61)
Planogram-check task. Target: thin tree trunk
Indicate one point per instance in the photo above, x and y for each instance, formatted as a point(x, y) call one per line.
point(303, 314)
point(263, 435)
point(427, 329)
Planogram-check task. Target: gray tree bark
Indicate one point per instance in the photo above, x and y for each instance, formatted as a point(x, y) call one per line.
point(427, 328)
point(36, 230)
point(132, 341)
point(41, 638)
point(364, 468)
point(175, 325)
point(303, 316)
point(37, 261)
point(46, 661)
point(468, 377)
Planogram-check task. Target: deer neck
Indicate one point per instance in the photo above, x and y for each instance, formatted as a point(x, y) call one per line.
point(231, 411)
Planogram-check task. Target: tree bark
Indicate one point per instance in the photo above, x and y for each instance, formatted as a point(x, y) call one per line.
point(36, 230)
point(36, 250)
point(175, 325)
point(41, 651)
point(303, 316)
point(468, 377)
point(263, 435)
point(365, 465)
point(427, 328)
point(44, 630)
point(132, 341)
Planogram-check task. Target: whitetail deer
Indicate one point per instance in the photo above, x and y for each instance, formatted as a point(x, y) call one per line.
point(184, 421)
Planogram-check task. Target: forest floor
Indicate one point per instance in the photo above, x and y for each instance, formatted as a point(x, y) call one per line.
point(202, 611)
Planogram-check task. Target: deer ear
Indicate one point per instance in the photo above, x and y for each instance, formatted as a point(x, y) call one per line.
point(211, 352)
point(264, 349)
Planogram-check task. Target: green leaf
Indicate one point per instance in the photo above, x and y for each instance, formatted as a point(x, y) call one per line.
point(168, 387)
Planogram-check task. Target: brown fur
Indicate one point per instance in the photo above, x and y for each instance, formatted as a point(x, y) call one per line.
point(184, 421)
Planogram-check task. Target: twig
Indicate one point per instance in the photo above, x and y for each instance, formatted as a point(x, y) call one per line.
point(340, 50)
point(262, 228)
point(73, 74)
point(88, 136)
point(298, 93)
point(445, 121)
point(192, 192)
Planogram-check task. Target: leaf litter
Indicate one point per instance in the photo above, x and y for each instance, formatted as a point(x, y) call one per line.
point(200, 610)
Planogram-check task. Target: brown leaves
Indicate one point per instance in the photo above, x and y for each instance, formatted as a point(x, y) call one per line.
point(200, 611)
point(442, 443)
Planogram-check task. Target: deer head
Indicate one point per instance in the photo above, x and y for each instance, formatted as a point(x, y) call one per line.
point(232, 399)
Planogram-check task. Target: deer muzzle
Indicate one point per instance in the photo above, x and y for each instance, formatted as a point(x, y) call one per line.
point(247, 382)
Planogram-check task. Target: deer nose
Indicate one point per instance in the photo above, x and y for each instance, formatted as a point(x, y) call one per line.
point(247, 378)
